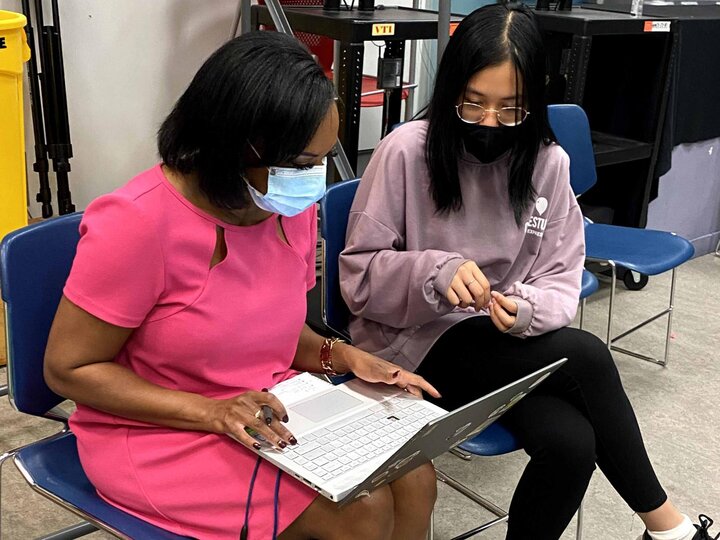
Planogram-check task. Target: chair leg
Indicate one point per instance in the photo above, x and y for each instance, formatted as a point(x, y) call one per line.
point(3, 458)
point(431, 529)
point(579, 532)
point(667, 311)
point(582, 313)
point(671, 307)
point(613, 282)
point(74, 531)
point(462, 454)
point(610, 340)
point(470, 494)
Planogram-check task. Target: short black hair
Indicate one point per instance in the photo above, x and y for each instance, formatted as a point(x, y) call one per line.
point(262, 89)
point(487, 37)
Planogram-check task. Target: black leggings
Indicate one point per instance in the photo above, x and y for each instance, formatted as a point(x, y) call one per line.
point(577, 417)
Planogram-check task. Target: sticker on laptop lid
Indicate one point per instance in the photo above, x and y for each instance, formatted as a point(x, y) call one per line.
point(540, 379)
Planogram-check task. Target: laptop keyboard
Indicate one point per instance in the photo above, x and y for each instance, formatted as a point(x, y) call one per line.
point(338, 448)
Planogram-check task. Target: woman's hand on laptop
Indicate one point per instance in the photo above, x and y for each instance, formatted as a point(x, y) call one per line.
point(373, 369)
point(245, 416)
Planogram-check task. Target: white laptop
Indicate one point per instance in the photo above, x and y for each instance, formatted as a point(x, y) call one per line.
point(356, 436)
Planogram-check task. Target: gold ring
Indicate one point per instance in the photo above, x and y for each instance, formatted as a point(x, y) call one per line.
point(470, 282)
point(259, 414)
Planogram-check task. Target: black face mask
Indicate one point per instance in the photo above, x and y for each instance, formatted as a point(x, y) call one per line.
point(488, 143)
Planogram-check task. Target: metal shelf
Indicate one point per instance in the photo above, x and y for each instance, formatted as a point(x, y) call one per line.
point(611, 149)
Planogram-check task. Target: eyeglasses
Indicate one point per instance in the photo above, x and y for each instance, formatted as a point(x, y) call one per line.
point(472, 113)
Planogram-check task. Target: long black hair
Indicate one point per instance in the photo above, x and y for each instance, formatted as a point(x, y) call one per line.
point(487, 37)
point(262, 89)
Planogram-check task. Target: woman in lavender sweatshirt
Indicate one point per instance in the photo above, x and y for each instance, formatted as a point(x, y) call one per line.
point(463, 262)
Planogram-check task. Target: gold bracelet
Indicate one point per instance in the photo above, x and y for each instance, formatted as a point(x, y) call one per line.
point(326, 362)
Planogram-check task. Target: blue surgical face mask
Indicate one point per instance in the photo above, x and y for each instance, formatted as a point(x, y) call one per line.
point(290, 190)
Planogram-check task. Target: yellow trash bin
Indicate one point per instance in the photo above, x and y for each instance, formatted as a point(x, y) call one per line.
point(14, 52)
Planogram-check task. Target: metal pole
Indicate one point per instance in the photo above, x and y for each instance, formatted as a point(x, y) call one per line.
point(237, 19)
point(283, 25)
point(41, 165)
point(60, 148)
point(412, 76)
point(72, 532)
point(671, 309)
point(278, 16)
point(342, 163)
point(54, 103)
point(579, 530)
point(443, 28)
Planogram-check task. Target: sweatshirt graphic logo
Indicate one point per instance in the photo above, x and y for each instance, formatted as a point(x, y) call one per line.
point(536, 224)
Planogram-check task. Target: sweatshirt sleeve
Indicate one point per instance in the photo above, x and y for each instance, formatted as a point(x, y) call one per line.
point(548, 298)
point(379, 280)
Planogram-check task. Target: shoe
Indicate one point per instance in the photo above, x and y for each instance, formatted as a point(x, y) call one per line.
point(703, 530)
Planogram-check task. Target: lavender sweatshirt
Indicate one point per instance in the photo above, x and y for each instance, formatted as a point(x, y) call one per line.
point(401, 255)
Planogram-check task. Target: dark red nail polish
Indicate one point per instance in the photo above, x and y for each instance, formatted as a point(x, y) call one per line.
point(264, 389)
point(292, 440)
point(285, 419)
point(282, 444)
point(256, 446)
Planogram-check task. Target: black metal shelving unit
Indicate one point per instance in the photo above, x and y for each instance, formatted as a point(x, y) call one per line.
point(616, 66)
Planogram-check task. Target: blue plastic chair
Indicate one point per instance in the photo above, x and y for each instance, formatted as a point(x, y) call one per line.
point(34, 264)
point(644, 251)
point(496, 439)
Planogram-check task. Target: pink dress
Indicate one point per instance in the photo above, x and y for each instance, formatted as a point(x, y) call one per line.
point(143, 262)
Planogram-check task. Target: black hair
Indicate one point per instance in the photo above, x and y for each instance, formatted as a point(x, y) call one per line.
point(262, 89)
point(487, 37)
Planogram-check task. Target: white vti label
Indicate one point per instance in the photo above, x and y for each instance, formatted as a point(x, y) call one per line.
point(657, 26)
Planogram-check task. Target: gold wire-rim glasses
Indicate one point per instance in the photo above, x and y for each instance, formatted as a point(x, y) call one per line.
point(498, 112)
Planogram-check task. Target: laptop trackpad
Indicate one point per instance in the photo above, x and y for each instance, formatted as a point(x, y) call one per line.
point(325, 406)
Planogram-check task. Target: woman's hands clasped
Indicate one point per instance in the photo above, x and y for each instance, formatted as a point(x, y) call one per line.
point(503, 311)
point(232, 416)
point(469, 287)
point(372, 369)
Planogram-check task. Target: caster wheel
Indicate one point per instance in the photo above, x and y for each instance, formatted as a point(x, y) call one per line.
point(634, 281)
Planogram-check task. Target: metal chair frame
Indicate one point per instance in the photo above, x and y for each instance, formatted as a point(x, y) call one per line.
point(572, 129)
point(610, 339)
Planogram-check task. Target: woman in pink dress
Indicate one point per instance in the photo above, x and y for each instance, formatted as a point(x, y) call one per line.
point(187, 298)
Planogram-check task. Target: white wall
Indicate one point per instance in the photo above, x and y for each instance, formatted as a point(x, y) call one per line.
point(688, 201)
point(126, 62)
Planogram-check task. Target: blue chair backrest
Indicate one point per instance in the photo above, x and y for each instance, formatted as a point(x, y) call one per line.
point(572, 130)
point(34, 264)
point(334, 213)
